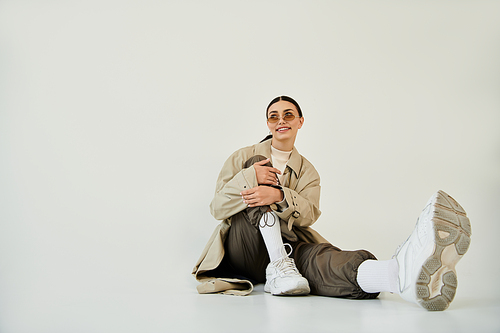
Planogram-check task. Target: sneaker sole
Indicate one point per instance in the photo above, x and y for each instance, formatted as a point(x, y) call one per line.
point(293, 292)
point(437, 280)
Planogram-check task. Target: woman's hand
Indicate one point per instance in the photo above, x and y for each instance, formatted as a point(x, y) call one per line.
point(266, 175)
point(261, 196)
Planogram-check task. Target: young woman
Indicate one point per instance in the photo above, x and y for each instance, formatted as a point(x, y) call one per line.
point(267, 196)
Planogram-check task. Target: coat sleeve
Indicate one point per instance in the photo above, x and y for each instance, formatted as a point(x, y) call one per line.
point(303, 202)
point(232, 180)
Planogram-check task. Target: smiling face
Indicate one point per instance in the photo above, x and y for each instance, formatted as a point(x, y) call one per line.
point(284, 132)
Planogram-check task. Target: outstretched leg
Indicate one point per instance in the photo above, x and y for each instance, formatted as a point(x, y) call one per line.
point(428, 257)
point(332, 271)
point(423, 268)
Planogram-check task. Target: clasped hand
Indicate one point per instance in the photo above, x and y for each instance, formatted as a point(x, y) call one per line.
point(263, 195)
point(266, 175)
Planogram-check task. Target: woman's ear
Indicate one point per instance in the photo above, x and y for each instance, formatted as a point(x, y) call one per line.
point(301, 121)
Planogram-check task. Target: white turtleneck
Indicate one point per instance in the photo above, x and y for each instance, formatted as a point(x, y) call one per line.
point(279, 159)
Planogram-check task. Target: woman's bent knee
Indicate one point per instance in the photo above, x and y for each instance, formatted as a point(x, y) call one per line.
point(254, 159)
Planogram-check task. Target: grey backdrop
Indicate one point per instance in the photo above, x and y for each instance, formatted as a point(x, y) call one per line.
point(116, 117)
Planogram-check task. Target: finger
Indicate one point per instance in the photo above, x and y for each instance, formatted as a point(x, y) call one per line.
point(251, 202)
point(276, 171)
point(270, 181)
point(254, 203)
point(273, 170)
point(247, 192)
point(273, 179)
point(246, 196)
point(263, 162)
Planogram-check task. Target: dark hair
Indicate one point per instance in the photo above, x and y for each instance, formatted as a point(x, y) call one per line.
point(282, 98)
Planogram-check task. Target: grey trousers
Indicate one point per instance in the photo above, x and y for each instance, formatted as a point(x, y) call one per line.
point(329, 270)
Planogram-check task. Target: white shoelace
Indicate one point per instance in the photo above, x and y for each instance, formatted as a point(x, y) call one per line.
point(286, 265)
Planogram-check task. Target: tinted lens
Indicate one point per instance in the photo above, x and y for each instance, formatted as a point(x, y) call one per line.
point(273, 119)
point(289, 117)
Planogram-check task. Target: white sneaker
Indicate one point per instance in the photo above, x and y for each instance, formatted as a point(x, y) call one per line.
point(283, 278)
point(428, 257)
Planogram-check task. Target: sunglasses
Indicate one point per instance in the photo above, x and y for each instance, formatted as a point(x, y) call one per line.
point(287, 117)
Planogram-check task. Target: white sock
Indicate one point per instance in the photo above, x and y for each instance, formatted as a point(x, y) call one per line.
point(376, 276)
point(269, 226)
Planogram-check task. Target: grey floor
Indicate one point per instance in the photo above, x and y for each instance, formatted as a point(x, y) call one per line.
point(175, 306)
point(261, 312)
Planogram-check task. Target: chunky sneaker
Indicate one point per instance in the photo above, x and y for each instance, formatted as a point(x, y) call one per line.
point(428, 257)
point(283, 278)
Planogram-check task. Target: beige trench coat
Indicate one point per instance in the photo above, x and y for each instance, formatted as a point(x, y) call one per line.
point(300, 209)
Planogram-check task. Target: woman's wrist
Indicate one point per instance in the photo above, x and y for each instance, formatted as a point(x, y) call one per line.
point(281, 195)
